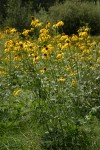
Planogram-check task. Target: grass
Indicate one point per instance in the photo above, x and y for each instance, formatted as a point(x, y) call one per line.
point(19, 139)
point(49, 89)
point(96, 38)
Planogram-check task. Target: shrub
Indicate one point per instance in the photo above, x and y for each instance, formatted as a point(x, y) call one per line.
point(18, 16)
point(76, 14)
point(72, 139)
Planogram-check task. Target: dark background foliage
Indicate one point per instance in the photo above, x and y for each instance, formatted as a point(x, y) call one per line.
point(74, 13)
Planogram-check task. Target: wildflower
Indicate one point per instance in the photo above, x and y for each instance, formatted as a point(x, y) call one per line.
point(68, 68)
point(9, 44)
point(48, 25)
point(60, 45)
point(2, 72)
point(50, 48)
point(13, 30)
point(10, 30)
point(73, 73)
point(81, 38)
point(43, 37)
point(62, 79)
point(82, 47)
point(83, 34)
point(74, 38)
point(87, 29)
point(7, 59)
point(65, 46)
point(43, 70)
point(60, 23)
point(74, 82)
point(90, 57)
point(16, 92)
point(93, 43)
point(47, 49)
point(86, 51)
point(36, 23)
point(64, 37)
point(98, 60)
point(26, 32)
point(17, 58)
point(60, 56)
point(45, 56)
point(36, 57)
point(44, 31)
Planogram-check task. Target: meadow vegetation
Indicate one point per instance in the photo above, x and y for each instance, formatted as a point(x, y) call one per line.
point(49, 88)
point(49, 75)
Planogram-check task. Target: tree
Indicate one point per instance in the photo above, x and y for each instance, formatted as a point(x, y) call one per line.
point(17, 14)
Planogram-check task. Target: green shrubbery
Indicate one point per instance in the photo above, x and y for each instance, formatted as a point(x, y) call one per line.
point(74, 14)
point(18, 16)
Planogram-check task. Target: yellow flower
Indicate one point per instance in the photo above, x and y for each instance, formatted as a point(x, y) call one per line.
point(83, 34)
point(36, 57)
point(44, 31)
point(26, 32)
point(43, 70)
point(68, 68)
point(10, 30)
point(60, 45)
point(98, 60)
point(47, 49)
point(36, 23)
point(7, 59)
point(16, 92)
point(74, 38)
point(48, 25)
point(65, 46)
point(81, 38)
point(43, 37)
point(45, 56)
point(2, 72)
point(50, 48)
point(55, 26)
point(82, 47)
point(13, 30)
point(64, 37)
point(62, 79)
point(87, 29)
point(86, 51)
point(73, 73)
point(60, 23)
point(74, 82)
point(60, 56)
point(17, 58)
point(90, 57)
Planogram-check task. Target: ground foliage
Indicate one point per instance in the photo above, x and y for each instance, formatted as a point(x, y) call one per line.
point(49, 88)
